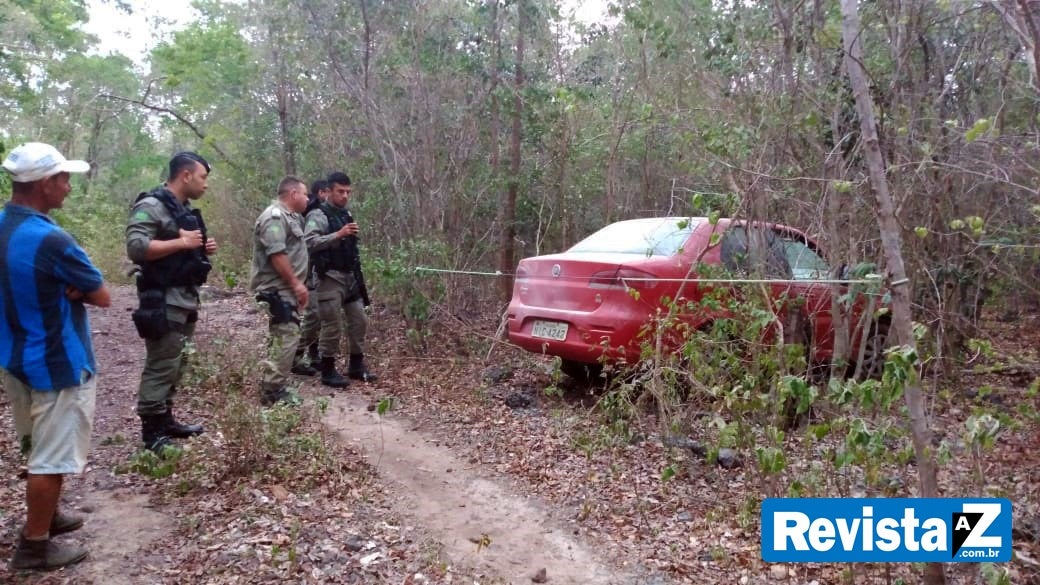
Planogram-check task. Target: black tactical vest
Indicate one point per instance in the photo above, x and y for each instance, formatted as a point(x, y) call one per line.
point(343, 255)
point(183, 268)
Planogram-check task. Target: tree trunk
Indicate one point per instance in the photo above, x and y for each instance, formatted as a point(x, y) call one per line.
point(561, 155)
point(367, 54)
point(283, 98)
point(494, 113)
point(288, 150)
point(839, 315)
point(620, 125)
point(506, 258)
point(94, 148)
point(496, 42)
point(892, 242)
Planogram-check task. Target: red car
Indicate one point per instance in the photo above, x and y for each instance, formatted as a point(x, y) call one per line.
point(580, 305)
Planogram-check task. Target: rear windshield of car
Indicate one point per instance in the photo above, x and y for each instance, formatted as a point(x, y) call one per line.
point(647, 237)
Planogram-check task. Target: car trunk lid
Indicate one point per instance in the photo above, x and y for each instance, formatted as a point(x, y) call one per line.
point(578, 282)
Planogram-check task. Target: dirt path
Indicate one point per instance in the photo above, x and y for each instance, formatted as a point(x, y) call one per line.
point(460, 507)
point(122, 526)
point(130, 537)
point(122, 534)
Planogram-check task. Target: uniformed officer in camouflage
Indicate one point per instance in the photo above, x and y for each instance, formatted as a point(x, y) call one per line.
point(331, 235)
point(311, 323)
point(278, 277)
point(166, 239)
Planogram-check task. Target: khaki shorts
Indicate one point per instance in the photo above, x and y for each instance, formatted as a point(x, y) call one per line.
point(56, 424)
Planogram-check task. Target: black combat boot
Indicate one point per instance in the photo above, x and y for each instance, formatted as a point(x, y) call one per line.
point(270, 396)
point(153, 432)
point(357, 371)
point(329, 375)
point(45, 555)
point(302, 367)
point(179, 430)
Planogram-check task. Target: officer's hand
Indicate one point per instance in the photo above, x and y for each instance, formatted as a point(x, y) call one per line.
point(351, 229)
point(191, 239)
point(302, 295)
point(73, 294)
point(211, 246)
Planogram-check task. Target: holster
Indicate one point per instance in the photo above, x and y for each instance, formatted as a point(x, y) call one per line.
point(351, 289)
point(281, 311)
point(150, 316)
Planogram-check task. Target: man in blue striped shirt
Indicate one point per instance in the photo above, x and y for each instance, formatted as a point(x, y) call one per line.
point(46, 358)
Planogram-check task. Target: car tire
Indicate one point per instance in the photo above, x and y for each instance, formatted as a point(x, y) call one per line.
point(873, 363)
point(580, 371)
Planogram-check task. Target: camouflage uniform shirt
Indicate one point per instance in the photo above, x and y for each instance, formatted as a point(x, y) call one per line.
point(150, 220)
point(277, 231)
point(316, 234)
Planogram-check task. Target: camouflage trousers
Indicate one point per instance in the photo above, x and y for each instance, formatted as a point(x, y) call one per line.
point(340, 319)
point(165, 362)
point(282, 340)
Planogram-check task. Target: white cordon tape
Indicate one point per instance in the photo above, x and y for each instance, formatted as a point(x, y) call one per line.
point(755, 280)
point(425, 269)
point(697, 280)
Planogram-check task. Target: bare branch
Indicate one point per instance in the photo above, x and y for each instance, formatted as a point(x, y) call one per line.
point(173, 113)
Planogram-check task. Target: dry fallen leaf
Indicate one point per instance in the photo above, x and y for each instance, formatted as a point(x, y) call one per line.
point(279, 492)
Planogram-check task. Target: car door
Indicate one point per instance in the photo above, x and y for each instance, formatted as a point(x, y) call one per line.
point(753, 255)
point(808, 268)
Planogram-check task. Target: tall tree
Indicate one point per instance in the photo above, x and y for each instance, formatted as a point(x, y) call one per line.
point(899, 283)
point(507, 218)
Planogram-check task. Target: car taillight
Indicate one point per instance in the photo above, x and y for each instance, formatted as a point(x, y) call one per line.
point(520, 279)
point(623, 279)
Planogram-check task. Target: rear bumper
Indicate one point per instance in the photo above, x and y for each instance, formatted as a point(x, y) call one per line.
point(602, 335)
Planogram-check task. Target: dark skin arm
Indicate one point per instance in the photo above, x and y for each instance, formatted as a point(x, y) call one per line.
point(98, 298)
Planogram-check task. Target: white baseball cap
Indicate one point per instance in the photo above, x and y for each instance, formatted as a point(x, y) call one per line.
point(33, 161)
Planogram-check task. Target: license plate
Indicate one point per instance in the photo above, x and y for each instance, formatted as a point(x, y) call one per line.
point(549, 330)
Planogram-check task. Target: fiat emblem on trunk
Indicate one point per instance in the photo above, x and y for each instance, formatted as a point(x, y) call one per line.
point(556, 270)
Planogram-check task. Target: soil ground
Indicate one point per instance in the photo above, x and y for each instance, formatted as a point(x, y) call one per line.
point(468, 520)
point(455, 467)
point(461, 504)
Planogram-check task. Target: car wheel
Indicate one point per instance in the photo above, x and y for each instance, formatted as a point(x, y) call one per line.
point(873, 363)
point(580, 371)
